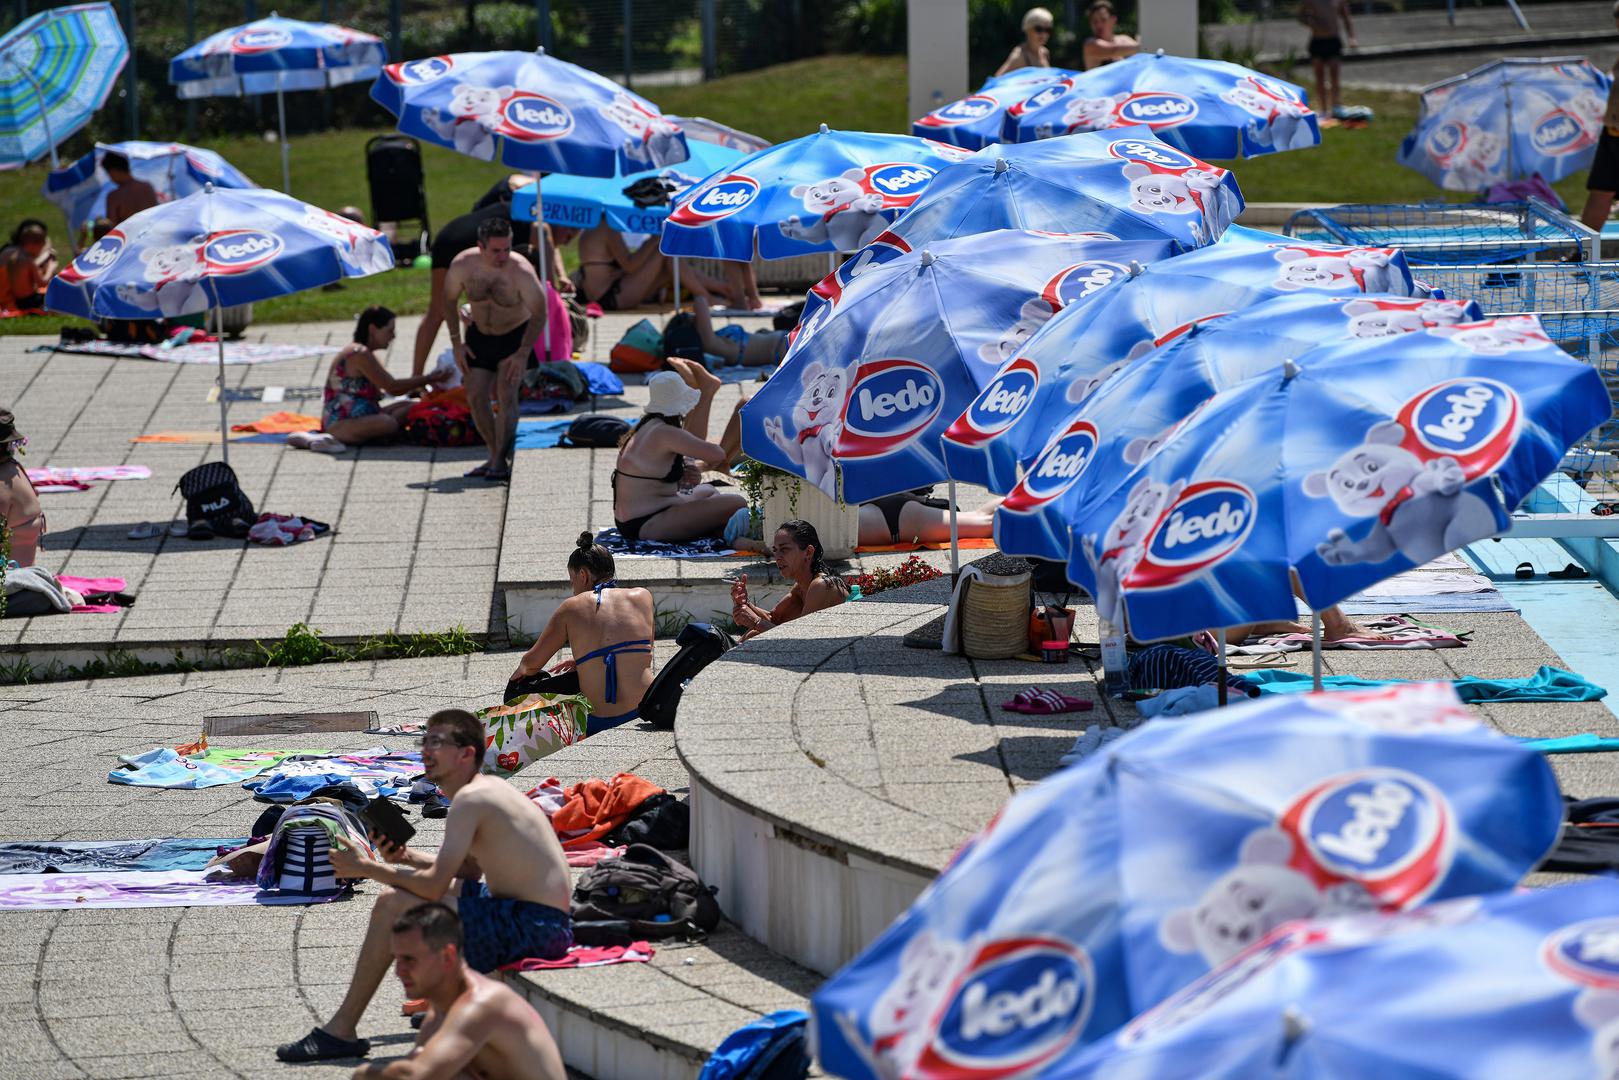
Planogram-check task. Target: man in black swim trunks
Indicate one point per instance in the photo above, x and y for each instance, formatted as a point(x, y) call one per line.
point(1326, 49)
point(460, 234)
point(1603, 180)
point(508, 317)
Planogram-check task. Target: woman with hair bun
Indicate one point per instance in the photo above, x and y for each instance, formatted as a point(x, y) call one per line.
point(608, 628)
point(797, 551)
point(353, 412)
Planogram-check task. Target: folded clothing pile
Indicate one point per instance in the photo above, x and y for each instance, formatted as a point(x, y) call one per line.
point(278, 530)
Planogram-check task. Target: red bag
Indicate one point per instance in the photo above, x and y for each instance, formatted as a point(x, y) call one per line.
point(440, 423)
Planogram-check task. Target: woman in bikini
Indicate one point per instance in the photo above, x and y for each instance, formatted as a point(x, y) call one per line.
point(647, 501)
point(21, 519)
point(609, 628)
point(617, 279)
point(797, 550)
point(353, 412)
point(1031, 51)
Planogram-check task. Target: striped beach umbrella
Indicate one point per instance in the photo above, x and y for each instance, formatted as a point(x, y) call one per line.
point(56, 70)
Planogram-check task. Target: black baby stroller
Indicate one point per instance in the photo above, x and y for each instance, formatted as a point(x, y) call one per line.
point(393, 168)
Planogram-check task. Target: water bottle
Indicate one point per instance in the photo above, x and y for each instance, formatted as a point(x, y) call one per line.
point(1115, 671)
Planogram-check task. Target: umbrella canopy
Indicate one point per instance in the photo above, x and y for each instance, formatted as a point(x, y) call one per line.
point(830, 191)
point(868, 391)
point(1124, 183)
point(1508, 119)
point(216, 248)
point(1078, 349)
point(1512, 984)
point(56, 70)
point(174, 170)
point(530, 111)
point(275, 54)
point(581, 202)
point(975, 121)
point(1121, 879)
point(1140, 408)
point(1209, 108)
point(1361, 460)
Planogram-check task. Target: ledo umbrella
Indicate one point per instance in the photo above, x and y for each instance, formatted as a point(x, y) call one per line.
point(174, 170)
point(1124, 183)
point(1508, 119)
point(56, 70)
point(975, 121)
point(1511, 984)
point(1209, 108)
point(831, 191)
point(215, 249)
point(1121, 879)
point(1140, 408)
point(864, 396)
point(1019, 410)
point(1361, 460)
point(272, 56)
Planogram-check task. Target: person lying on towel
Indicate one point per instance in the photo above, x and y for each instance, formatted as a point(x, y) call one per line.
point(609, 628)
point(518, 910)
point(475, 1026)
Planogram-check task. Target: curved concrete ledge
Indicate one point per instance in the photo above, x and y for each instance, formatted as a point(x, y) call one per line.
point(834, 771)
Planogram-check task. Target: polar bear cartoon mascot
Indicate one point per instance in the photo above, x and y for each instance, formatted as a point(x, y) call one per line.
point(1419, 509)
point(1249, 901)
point(901, 1020)
point(470, 123)
point(1375, 318)
point(1085, 114)
point(845, 213)
point(817, 424)
point(1280, 121)
point(1034, 314)
point(1599, 1011)
point(1369, 270)
point(170, 271)
point(1125, 542)
point(653, 141)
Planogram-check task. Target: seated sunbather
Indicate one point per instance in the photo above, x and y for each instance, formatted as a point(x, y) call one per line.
point(648, 502)
point(736, 345)
point(353, 412)
point(613, 276)
point(609, 629)
point(519, 909)
point(911, 517)
point(27, 265)
point(475, 1026)
point(797, 551)
point(20, 514)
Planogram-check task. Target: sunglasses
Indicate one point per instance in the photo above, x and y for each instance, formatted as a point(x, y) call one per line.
point(1041, 29)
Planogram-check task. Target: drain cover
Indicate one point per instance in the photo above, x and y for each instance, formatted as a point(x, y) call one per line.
point(288, 723)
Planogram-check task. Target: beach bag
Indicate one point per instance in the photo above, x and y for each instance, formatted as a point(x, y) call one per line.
point(787, 317)
point(661, 821)
point(440, 423)
point(700, 645)
point(531, 727)
point(596, 429)
point(640, 350)
point(680, 338)
point(578, 322)
point(213, 495)
point(656, 895)
point(769, 1048)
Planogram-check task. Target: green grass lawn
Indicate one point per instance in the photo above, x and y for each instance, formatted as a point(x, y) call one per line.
point(851, 92)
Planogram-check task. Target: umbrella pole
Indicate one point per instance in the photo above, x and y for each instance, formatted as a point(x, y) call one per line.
point(955, 550)
point(1315, 649)
point(1224, 691)
point(219, 338)
point(281, 116)
point(676, 261)
point(545, 269)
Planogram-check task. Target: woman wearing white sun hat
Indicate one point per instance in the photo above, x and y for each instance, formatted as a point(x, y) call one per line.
point(647, 501)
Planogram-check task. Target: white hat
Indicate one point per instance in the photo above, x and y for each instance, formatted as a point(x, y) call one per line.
point(670, 395)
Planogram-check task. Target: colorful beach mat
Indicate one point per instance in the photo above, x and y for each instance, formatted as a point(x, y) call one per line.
point(83, 474)
point(40, 857)
point(236, 352)
point(209, 437)
point(167, 888)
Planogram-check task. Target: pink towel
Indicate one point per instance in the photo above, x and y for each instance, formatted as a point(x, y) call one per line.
point(557, 328)
point(88, 585)
point(583, 956)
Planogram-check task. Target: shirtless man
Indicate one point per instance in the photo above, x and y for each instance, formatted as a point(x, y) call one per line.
point(520, 909)
point(609, 630)
point(508, 317)
point(475, 1026)
point(130, 196)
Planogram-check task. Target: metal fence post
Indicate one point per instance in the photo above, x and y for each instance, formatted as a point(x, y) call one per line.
point(542, 23)
point(325, 91)
point(710, 44)
point(191, 39)
point(396, 33)
point(131, 86)
point(629, 51)
point(250, 11)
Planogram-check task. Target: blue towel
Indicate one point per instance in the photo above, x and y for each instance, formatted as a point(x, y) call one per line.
point(540, 434)
point(599, 378)
point(1547, 684)
point(1571, 744)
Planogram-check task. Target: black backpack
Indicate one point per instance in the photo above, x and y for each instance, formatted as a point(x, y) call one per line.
point(596, 429)
point(647, 891)
point(215, 502)
point(680, 338)
point(700, 645)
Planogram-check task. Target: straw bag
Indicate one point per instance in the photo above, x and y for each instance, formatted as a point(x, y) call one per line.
point(995, 616)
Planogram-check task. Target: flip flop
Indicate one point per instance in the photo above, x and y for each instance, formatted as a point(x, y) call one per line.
point(177, 528)
point(497, 476)
point(321, 1045)
point(473, 474)
point(1037, 702)
point(145, 531)
point(1571, 572)
point(1524, 571)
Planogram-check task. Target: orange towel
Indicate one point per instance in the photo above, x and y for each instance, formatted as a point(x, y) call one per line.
point(280, 423)
point(975, 544)
point(596, 807)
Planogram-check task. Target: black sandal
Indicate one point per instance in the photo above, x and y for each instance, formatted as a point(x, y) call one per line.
point(322, 1045)
point(1571, 572)
point(1524, 571)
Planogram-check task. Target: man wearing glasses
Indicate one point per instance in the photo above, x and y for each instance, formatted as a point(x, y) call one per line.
point(518, 910)
point(1031, 51)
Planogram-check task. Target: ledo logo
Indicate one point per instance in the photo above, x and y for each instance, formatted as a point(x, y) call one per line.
point(235, 251)
point(261, 40)
point(1079, 281)
point(1046, 95)
point(717, 200)
point(1586, 952)
point(420, 72)
point(890, 403)
point(1474, 421)
point(1158, 155)
point(900, 180)
point(1058, 468)
point(1447, 139)
point(1157, 109)
point(1206, 524)
point(1017, 1006)
point(964, 111)
point(1386, 829)
point(97, 257)
point(1557, 133)
point(1000, 405)
point(529, 117)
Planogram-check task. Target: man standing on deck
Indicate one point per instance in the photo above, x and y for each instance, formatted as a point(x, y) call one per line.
point(508, 317)
point(1603, 180)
